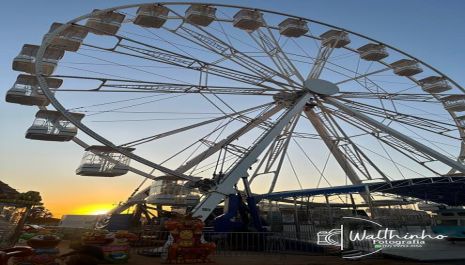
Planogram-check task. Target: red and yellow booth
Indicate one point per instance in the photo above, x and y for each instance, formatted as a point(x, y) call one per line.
point(186, 243)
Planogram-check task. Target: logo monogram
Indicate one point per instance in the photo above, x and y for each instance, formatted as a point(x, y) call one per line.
point(334, 237)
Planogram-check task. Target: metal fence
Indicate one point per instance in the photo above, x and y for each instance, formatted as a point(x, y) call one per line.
point(292, 240)
point(238, 243)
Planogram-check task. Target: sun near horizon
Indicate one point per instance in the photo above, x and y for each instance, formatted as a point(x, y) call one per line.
point(92, 209)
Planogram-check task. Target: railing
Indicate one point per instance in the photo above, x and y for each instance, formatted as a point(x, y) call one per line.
point(302, 242)
point(238, 243)
point(289, 241)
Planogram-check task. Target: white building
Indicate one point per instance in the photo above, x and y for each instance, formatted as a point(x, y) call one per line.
point(79, 221)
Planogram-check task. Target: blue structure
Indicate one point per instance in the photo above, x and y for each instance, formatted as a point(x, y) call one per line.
point(228, 222)
point(449, 190)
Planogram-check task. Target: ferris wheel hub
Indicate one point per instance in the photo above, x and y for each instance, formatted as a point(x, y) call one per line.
point(321, 87)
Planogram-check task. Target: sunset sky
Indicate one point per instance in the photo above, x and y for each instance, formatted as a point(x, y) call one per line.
point(431, 30)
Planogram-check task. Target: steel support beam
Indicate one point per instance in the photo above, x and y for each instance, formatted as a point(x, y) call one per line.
point(332, 146)
point(277, 150)
point(226, 187)
point(286, 141)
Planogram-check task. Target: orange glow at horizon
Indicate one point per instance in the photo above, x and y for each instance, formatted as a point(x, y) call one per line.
point(86, 208)
point(93, 209)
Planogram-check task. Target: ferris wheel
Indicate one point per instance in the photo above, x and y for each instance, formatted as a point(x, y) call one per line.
point(202, 96)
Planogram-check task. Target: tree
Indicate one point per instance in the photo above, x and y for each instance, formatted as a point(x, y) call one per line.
point(39, 212)
point(30, 196)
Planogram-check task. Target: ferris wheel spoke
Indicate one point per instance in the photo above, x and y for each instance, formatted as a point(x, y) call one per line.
point(348, 76)
point(401, 147)
point(369, 85)
point(324, 52)
point(266, 40)
point(122, 85)
point(192, 126)
point(319, 64)
point(155, 54)
point(207, 40)
point(398, 135)
point(152, 53)
point(430, 125)
point(341, 115)
point(198, 159)
point(389, 96)
point(228, 54)
point(364, 75)
point(353, 153)
point(275, 155)
point(229, 139)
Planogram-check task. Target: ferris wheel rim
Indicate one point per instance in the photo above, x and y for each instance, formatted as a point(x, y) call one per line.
point(66, 24)
point(103, 140)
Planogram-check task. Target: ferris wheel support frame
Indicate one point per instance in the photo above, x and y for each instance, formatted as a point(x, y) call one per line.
point(226, 187)
point(336, 152)
point(281, 145)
